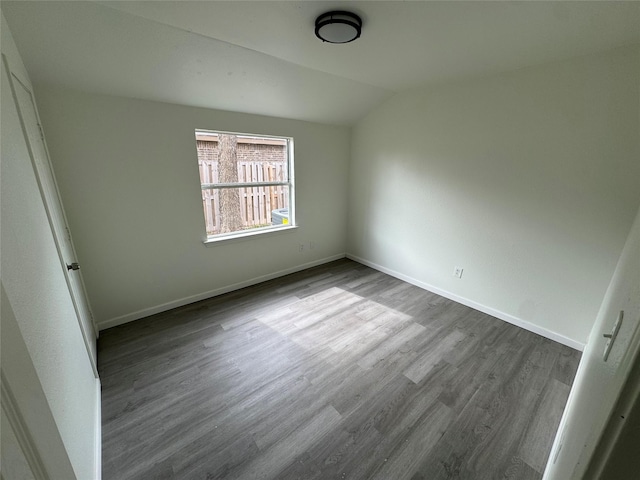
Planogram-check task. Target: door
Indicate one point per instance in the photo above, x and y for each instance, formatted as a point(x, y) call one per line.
point(32, 130)
point(599, 382)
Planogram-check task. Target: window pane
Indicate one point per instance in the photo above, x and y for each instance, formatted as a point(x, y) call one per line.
point(257, 171)
point(258, 159)
point(262, 160)
point(228, 210)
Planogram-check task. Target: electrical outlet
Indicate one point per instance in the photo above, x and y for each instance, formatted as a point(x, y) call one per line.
point(457, 272)
point(301, 247)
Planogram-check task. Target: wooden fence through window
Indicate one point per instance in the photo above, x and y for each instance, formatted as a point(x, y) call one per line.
point(256, 203)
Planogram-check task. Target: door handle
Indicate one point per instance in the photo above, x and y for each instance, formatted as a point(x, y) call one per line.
point(73, 266)
point(612, 336)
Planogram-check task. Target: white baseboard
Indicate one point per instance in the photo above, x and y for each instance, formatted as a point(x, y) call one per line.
point(98, 431)
point(253, 281)
point(475, 305)
point(129, 317)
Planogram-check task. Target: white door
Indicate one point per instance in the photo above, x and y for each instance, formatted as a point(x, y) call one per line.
point(598, 383)
point(46, 181)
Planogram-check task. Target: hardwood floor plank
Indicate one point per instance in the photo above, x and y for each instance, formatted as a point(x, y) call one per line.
point(432, 355)
point(544, 424)
point(199, 460)
point(269, 463)
point(335, 372)
point(416, 444)
point(390, 345)
point(566, 366)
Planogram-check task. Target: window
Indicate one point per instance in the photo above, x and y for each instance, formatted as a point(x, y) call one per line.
point(246, 182)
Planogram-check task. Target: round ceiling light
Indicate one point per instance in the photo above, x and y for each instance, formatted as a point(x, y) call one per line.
point(338, 27)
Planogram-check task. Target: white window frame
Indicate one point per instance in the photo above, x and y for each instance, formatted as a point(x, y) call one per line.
point(290, 183)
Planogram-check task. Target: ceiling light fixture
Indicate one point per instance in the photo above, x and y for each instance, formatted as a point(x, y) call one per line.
point(338, 27)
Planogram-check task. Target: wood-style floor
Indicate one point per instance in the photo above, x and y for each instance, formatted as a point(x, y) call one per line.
point(337, 372)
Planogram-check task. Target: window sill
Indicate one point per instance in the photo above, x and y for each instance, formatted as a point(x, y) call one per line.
point(246, 235)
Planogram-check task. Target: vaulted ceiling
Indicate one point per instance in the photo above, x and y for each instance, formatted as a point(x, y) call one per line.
point(262, 57)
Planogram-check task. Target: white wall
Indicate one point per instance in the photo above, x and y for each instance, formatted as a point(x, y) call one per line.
point(128, 175)
point(44, 359)
point(528, 180)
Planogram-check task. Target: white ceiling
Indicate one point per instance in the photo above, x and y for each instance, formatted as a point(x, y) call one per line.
point(263, 57)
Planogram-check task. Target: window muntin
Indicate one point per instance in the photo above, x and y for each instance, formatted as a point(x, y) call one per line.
point(246, 182)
